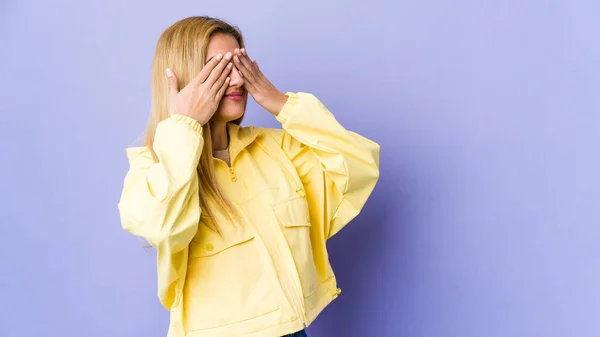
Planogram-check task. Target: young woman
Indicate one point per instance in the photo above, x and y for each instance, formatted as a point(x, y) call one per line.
point(239, 216)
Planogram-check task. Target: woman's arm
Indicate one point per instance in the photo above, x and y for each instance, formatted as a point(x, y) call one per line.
point(159, 200)
point(339, 168)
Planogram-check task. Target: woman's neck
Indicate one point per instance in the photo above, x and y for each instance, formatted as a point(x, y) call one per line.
point(218, 132)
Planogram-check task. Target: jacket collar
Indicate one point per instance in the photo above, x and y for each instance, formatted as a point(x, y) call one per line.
point(240, 138)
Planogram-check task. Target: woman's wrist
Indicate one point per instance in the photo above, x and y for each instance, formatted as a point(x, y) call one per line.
point(274, 102)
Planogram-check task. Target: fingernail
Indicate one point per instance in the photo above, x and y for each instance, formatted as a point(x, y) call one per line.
point(219, 57)
point(237, 59)
point(227, 80)
point(228, 55)
point(243, 50)
point(169, 72)
point(229, 65)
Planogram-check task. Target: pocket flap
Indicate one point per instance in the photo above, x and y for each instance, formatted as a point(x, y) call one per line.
point(293, 212)
point(208, 242)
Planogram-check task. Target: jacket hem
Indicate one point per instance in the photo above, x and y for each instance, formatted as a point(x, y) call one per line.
point(314, 305)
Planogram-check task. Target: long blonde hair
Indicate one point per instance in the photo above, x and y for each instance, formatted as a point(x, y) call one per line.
point(182, 47)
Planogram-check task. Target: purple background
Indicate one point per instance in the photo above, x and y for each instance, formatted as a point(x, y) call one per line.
point(486, 221)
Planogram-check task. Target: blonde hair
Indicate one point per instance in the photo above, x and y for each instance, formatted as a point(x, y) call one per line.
point(182, 47)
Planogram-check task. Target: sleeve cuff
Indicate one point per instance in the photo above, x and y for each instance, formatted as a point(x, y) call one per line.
point(188, 120)
point(288, 107)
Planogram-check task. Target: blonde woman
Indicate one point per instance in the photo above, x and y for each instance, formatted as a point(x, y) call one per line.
point(239, 216)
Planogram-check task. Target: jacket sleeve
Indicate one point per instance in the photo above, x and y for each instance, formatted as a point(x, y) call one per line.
point(159, 200)
point(338, 168)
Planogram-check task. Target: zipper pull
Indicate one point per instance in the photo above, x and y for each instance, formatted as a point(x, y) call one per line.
point(233, 176)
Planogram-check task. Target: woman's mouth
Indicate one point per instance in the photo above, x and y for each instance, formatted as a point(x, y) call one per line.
point(235, 96)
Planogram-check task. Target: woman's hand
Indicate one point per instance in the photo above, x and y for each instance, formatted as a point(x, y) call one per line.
point(263, 91)
point(200, 98)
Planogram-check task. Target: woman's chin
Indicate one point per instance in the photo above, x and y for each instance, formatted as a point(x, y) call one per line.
point(229, 114)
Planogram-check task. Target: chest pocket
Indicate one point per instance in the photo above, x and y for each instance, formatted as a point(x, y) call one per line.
point(207, 242)
point(294, 218)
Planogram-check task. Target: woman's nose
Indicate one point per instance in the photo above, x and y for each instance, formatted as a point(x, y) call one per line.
point(235, 79)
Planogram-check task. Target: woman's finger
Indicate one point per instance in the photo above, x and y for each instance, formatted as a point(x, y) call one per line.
point(215, 74)
point(248, 63)
point(223, 88)
point(247, 84)
point(245, 68)
point(210, 65)
point(244, 72)
point(245, 59)
point(173, 88)
point(224, 75)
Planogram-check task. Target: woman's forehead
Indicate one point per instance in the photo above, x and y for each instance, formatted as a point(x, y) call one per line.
point(221, 43)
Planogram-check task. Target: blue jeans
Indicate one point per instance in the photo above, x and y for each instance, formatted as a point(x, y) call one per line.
point(297, 334)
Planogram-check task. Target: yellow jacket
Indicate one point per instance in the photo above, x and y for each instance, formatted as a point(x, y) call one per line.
point(293, 188)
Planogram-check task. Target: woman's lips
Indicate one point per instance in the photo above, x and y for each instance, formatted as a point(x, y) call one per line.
point(235, 96)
